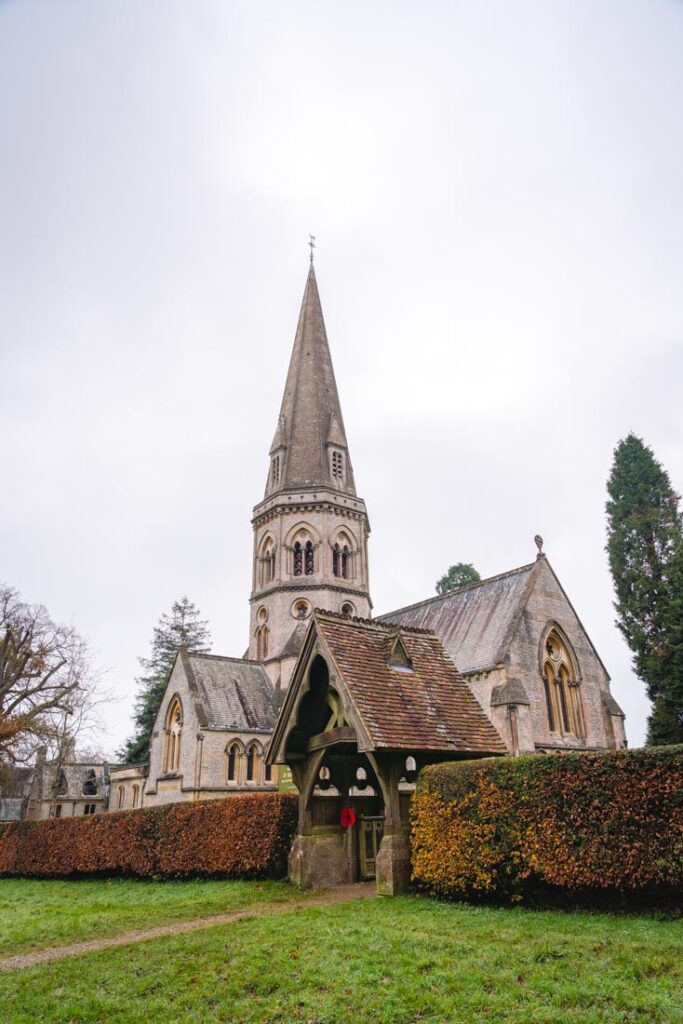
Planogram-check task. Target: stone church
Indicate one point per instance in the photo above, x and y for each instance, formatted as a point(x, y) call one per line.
point(347, 706)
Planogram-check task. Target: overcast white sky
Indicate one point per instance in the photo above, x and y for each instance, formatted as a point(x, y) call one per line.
point(496, 193)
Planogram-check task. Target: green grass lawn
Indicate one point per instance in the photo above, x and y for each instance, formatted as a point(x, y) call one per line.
point(404, 960)
point(39, 913)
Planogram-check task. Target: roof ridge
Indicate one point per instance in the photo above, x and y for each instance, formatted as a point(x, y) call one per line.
point(457, 590)
point(386, 627)
point(225, 657)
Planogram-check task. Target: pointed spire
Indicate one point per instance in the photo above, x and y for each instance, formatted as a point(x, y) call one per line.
point(310, 426)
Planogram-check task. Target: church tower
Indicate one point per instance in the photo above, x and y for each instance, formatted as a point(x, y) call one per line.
point(311, 529)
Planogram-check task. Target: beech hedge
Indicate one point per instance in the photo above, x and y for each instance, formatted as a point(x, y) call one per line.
point(609, 823)
point(241, 837)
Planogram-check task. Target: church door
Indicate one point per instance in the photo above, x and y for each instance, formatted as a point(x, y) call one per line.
point(370, 831)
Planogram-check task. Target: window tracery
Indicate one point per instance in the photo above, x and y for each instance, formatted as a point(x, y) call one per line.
point(561, 685)
point(174, 728)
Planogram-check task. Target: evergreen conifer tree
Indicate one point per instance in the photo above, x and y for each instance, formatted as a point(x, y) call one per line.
point(459, 575)
point(645, 548)
point(183, 627)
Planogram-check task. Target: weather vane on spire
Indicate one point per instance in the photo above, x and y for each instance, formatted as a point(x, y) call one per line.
point(312, 245)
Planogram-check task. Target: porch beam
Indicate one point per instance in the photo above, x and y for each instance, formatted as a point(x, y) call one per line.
point(322, 740)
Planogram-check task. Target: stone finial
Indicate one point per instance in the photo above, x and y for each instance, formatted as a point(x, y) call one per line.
point(538, 541)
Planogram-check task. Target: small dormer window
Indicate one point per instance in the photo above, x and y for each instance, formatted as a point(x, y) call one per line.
point(338, 467)
point(399, 658)
point(275, 470)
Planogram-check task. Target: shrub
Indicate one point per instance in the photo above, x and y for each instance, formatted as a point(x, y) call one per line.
point(246, 836)
point(575, 822)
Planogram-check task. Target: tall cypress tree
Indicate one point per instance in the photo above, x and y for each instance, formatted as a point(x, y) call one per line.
point(183, 627)
point(645, 548)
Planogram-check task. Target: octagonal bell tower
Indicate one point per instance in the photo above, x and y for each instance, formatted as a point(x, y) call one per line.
point(311, 529)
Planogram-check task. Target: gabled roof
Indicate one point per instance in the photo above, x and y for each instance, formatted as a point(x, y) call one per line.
point(310, 416)
point(474, 623)
point(425, 707)
point(232, 693)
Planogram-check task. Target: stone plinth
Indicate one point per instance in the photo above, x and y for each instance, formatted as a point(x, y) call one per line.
point(319, 859)
point(393, 864)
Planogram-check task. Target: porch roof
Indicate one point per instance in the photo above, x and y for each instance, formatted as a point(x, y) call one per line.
point(427, 706)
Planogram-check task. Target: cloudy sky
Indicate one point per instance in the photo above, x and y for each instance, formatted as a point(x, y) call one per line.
point(496, 193)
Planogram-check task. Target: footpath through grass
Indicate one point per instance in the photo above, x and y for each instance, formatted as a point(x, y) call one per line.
point(35, 914)
point(394, 961)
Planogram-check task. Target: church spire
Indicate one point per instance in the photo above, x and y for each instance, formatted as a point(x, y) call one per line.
point(310, 448)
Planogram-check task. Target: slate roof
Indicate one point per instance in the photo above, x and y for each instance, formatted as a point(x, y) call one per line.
point(292, 648)
point(474, 623)
point(232, 692)
point(427, 708)
point(310, 416)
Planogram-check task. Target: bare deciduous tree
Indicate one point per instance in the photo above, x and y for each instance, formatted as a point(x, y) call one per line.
point(46, 683)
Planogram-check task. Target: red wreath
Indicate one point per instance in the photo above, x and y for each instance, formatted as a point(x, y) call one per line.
point(348, 817)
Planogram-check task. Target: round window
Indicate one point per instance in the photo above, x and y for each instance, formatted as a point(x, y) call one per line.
point(301, 609)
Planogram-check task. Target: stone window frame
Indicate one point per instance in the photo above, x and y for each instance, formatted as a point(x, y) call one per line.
point(561, 681)
point(266, 560)
point(345, 548)
point(303, 543)
point(234, 757)
point(174, 732)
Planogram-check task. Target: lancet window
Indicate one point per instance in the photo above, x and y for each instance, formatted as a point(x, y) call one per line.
point(309, 560)
point(561, 686)
point(252, 754)
point(262, 635)
point(233, 762)
point(275, 470)
point(267, 562)
point(340, 561)
point(174, 728)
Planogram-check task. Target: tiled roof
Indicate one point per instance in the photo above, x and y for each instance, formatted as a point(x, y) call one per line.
point(429, 707)
point(473, 623)
point(235, 694)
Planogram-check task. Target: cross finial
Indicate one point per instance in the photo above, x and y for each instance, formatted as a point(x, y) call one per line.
point(311, 243)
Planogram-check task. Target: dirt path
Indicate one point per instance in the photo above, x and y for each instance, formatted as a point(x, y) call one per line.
point(338, 894)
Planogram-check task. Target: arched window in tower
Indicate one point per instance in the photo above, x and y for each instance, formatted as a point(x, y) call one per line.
point(309, 560)
point(174, 728)
point(262, 634)
point(341, 557)
point(561, 684)
point(338, 467)
point(267, 562)
point(298, 559)
point(340, 561)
